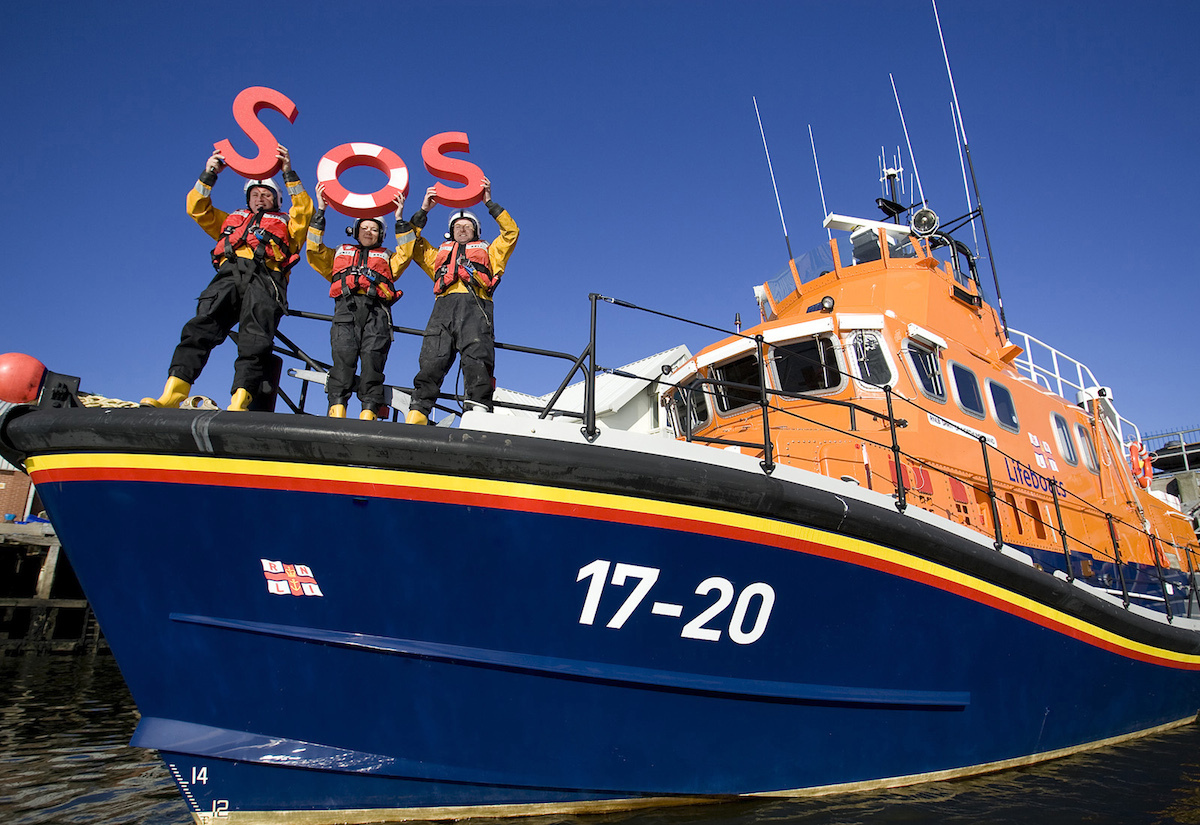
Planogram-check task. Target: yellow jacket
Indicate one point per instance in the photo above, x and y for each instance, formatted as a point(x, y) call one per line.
point(413, 246)
point(210, 219)
point(320, 257)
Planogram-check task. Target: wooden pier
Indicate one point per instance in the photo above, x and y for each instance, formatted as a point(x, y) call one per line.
point(42, 607)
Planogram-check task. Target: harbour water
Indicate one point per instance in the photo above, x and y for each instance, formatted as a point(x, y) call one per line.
point(65, 723)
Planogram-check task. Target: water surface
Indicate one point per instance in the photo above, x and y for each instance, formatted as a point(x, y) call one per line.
point(65, 724)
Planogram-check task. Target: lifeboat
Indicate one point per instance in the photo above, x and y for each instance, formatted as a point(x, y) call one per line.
point(878, 538)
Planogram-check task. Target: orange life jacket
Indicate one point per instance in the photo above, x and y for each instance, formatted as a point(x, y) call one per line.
point(370, 277)
point(264, 233)
point(463, 262)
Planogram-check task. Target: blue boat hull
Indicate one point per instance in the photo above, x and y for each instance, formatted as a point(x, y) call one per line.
point(502, 641)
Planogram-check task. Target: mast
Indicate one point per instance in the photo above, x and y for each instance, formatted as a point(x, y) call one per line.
point(820, 187)
point(911, 157)
point(970, 165)
point(778, 203)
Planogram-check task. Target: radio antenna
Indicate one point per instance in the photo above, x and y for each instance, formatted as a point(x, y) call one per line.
point(974, 180)
point(791, 258)
point(820, 188)
point(904, 126)
point(966, 186)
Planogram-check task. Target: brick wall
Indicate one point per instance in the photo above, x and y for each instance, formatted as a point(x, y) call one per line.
point(14, 492)
point(14, 485)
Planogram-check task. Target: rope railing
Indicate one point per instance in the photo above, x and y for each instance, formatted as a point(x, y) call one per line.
point(292, 350)
point(774, 418)
point(768, 402)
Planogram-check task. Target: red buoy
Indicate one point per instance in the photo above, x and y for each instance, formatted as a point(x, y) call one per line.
point(20, 377)
point(354, 204)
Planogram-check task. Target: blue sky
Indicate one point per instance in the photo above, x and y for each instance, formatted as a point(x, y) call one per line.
point(622, 138)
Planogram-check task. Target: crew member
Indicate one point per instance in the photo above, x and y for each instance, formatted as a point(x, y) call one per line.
point(362, 279)
point(465, 271)
point(256, 247)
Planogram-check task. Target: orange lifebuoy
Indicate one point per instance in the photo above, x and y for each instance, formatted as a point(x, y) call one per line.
point(354, 204)
point(1139, 463)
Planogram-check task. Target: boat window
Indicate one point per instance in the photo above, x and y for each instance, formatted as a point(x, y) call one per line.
point(1062, 436)
point(870, 358)
point(1003, 407)
point(690, 407)
point(808, 365)
point(1086, 448)
point(927, 369)
point(865, 243)
point(811, 265)
point(742, 371)
point(966, 390)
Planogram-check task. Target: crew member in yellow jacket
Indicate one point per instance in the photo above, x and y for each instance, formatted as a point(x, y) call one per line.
point(466, 271)
point(256, 247)
point(362, 277)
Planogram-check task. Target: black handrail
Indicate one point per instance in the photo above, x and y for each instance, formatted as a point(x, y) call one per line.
point(893, 423)
point(293, 350)
point(768, 462)
point(991, 491)
point(587, 362)
point(1062, 532)
point(901, 502)
point(1162, 582)
point(1192, 590)
point(590, 430)
point(1112, 532)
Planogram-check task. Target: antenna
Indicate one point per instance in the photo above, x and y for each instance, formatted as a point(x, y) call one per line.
point(904, 126)
point(975, 181)
point(791, 257)
point(889, 177)
point(966, 187)
point(820, 188)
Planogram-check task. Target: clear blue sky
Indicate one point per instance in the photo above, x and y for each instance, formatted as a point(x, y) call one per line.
point(621, 136)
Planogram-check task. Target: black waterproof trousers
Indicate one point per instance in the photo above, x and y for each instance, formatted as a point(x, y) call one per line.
point(243, 293)
point(460, 323)
point(361, 333)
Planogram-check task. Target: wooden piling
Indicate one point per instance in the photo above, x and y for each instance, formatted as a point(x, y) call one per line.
point(45, 612)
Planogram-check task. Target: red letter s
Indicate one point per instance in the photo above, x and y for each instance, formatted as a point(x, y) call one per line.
point(246, 107)
point(455, 169)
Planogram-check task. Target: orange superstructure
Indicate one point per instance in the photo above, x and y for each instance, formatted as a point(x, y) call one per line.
point(892, 371)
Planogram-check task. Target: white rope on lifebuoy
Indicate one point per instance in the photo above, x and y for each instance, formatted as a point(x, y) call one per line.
point(354, 204)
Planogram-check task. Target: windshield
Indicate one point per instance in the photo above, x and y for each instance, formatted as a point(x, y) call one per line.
point(811, 265)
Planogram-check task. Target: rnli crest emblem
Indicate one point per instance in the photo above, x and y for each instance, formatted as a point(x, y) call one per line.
point(290, 579)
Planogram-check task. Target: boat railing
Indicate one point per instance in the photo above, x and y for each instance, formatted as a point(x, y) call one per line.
point(287, 347)
point(1184, 441)
point(778, 409)
point(1060, 373)
point(1077, 554)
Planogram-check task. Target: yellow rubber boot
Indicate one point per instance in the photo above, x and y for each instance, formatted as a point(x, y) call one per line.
point(173, 395)
point(416, 417)
point(240, 401)
point(337, 411)
point(367, 415)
